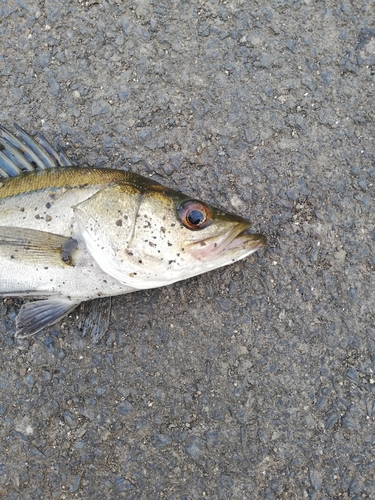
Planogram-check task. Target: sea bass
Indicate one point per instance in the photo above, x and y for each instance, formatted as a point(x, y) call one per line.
point(71, 234)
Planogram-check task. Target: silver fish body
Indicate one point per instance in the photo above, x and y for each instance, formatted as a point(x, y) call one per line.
point(70, 234)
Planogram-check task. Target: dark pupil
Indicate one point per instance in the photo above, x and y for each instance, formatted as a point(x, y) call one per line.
point(195, 217)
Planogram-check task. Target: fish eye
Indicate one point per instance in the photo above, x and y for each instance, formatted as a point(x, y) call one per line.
point(194, 214)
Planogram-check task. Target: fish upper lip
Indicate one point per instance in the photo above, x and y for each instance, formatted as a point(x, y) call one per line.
point(238, 230)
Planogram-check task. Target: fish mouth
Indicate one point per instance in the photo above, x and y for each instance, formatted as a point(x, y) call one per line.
point(230, 242)
point(239, 239)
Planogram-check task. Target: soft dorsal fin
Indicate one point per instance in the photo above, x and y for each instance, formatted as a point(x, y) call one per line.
point(34, 316)
point(23, 153)
point(31, 245)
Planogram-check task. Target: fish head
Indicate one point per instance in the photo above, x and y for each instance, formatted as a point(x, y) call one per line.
point(146, 235)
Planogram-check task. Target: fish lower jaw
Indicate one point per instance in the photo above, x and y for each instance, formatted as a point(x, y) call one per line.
point(247, 241)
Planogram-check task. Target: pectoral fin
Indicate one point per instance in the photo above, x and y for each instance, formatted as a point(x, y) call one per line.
point(30, 245)
point(34, 316)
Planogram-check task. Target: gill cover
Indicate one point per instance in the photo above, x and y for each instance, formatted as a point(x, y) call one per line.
point(107, 224)
point(130, 230)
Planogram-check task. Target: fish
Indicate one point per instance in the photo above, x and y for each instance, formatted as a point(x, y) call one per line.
point(69, 234)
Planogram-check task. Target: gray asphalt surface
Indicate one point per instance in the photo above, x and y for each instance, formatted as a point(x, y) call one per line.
point(256, 381)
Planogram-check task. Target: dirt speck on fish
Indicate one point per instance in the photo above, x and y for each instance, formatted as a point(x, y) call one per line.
point(71, 234)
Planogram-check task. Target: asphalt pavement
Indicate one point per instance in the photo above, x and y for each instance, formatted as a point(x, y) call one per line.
point(255, 381)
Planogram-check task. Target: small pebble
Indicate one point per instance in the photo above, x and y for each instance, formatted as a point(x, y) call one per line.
point(340, 255)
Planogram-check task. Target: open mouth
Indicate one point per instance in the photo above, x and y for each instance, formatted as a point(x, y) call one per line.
point(246, 241)
point(235, 239)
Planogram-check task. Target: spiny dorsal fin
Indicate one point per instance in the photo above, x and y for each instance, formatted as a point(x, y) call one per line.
point(22, 153)
point(34, 316)
point(31, 245)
